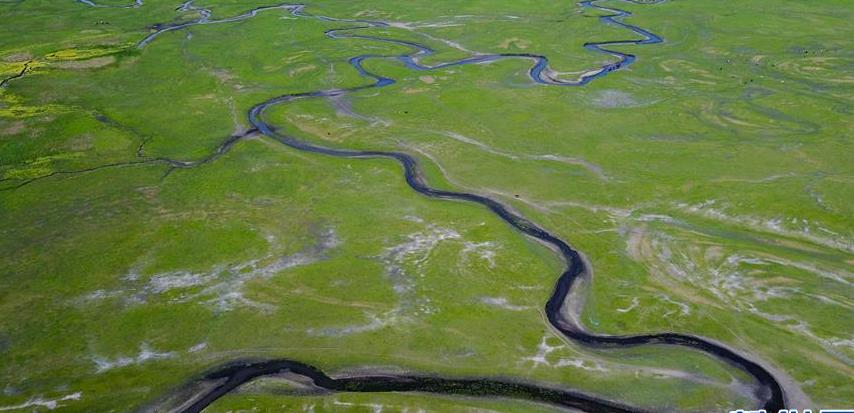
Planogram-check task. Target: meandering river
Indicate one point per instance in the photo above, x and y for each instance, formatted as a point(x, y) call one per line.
point(558, 308)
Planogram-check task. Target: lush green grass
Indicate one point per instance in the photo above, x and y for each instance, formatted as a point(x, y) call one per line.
point(709, 185)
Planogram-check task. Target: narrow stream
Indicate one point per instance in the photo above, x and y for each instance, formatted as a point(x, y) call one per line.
point(230, 376)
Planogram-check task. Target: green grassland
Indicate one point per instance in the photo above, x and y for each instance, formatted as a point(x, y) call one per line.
point(710, 186)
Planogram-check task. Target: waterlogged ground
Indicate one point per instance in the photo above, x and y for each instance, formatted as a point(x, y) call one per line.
point(710, 186)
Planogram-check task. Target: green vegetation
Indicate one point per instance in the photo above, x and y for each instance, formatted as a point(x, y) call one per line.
point(709, 185)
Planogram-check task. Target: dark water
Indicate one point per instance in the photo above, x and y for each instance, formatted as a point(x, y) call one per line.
point(234, 374)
